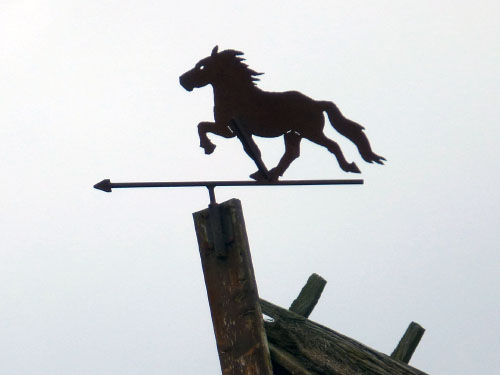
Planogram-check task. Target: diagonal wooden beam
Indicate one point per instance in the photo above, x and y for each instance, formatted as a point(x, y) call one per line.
point(232, 291)
point(325, 351)
point(287, 361)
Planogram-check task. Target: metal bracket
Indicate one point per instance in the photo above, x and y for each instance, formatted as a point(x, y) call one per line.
point(219, 242)
point(216, 225)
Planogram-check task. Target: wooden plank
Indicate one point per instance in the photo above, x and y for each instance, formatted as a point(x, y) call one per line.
point(232, 293)
point(290, 364)
point(324, 351)
point(309, 296)
point(408, 343)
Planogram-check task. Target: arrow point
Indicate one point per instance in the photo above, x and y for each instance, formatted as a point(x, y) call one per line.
point(104, 185)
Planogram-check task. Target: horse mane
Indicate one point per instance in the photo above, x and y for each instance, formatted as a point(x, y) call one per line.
point(237, 69)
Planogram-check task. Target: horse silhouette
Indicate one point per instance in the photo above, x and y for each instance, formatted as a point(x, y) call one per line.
point(269, 114)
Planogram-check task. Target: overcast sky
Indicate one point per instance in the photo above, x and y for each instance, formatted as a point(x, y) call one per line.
point(96, 283)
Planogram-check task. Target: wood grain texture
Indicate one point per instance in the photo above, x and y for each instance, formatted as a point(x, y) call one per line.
point(324, 351)
point(232, 294)
point(408, 343)
point(309, 296)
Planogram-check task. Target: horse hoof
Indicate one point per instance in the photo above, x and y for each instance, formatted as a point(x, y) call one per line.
point(209, 148)
point(274, 175)
point(257, 176)
point(354, 168)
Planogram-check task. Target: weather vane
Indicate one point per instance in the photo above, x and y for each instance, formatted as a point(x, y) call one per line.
point(245, 344)
point(243, 110)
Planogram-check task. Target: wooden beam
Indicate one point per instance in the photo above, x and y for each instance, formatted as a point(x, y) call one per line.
point(288, 362)
point(324, 351)
point(232, 292)
point(309, 296)
point(408, 343)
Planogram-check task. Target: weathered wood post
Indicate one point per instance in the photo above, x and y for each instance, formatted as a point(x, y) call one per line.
point(232, 290)
point(408, 343)
point(301, 347)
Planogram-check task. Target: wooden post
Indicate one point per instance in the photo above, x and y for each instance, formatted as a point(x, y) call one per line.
point(320, 350)
point(232, 292)
point(408, 343)
point(309, 296)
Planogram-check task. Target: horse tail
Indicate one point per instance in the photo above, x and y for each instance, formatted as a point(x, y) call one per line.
point(352, 131)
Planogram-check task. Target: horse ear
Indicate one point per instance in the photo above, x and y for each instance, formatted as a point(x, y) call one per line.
point(214, 51)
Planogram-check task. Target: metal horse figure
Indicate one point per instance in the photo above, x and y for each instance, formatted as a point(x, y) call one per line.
point(269, 114)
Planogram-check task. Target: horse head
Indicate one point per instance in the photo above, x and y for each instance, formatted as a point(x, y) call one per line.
point(220, 67)
point(203, 73)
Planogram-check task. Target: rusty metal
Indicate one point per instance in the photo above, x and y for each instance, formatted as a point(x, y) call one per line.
point(211, 193)
point(269, 114)
point(216, 230)
point(107, 186)
point(249, 146)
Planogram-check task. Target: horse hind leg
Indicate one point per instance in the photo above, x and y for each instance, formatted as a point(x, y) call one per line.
point(334, 148)
point(292, 152)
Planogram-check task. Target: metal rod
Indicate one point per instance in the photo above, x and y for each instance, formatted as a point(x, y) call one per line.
point(211, 194)
point(107, 185)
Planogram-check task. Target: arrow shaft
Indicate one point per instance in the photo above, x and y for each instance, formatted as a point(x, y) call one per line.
point(120, 185)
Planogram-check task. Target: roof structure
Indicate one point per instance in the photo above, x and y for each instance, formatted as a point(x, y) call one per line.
point(299, 346)
point(289, 343)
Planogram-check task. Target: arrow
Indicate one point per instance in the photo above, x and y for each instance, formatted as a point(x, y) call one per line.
point(108, 186)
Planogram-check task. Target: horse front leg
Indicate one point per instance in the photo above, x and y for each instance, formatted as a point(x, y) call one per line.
point(215, 128)
point(205, 143)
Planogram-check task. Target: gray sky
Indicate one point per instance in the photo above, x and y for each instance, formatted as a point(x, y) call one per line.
point(95, 283)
